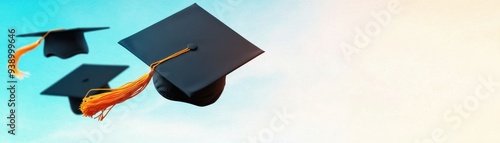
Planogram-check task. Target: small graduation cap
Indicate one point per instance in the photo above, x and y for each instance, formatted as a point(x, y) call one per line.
point(63, 43)
point(76, 84)
point(189, 53)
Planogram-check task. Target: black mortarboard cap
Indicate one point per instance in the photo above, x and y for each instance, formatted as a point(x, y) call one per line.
point(197, 77)
point(77, 83)
point(64, 43)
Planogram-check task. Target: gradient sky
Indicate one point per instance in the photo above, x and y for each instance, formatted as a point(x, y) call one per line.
point(426, 61)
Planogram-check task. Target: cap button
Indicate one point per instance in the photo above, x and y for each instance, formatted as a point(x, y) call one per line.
point(192, 46)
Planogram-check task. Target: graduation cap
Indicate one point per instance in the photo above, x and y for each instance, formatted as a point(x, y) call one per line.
point(63, 43)
point(190, 53)
point(76, 84)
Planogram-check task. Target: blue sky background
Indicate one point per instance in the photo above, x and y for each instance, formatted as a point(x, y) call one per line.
point(42, 118)
point(424, 63)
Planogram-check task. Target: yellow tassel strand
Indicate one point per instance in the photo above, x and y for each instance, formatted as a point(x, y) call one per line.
point(102, 103)
point(23, 50)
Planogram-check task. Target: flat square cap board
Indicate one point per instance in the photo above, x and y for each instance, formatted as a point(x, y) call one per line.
point(78, 82)
point(198, 76)
point(64, 43)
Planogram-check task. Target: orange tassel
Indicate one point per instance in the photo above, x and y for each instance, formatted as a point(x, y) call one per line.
point(23, 50)
point(102, 103)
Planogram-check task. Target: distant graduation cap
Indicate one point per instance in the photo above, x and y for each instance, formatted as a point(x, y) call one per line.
point(189, 53)
point(76, 84)
point(63, 43)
